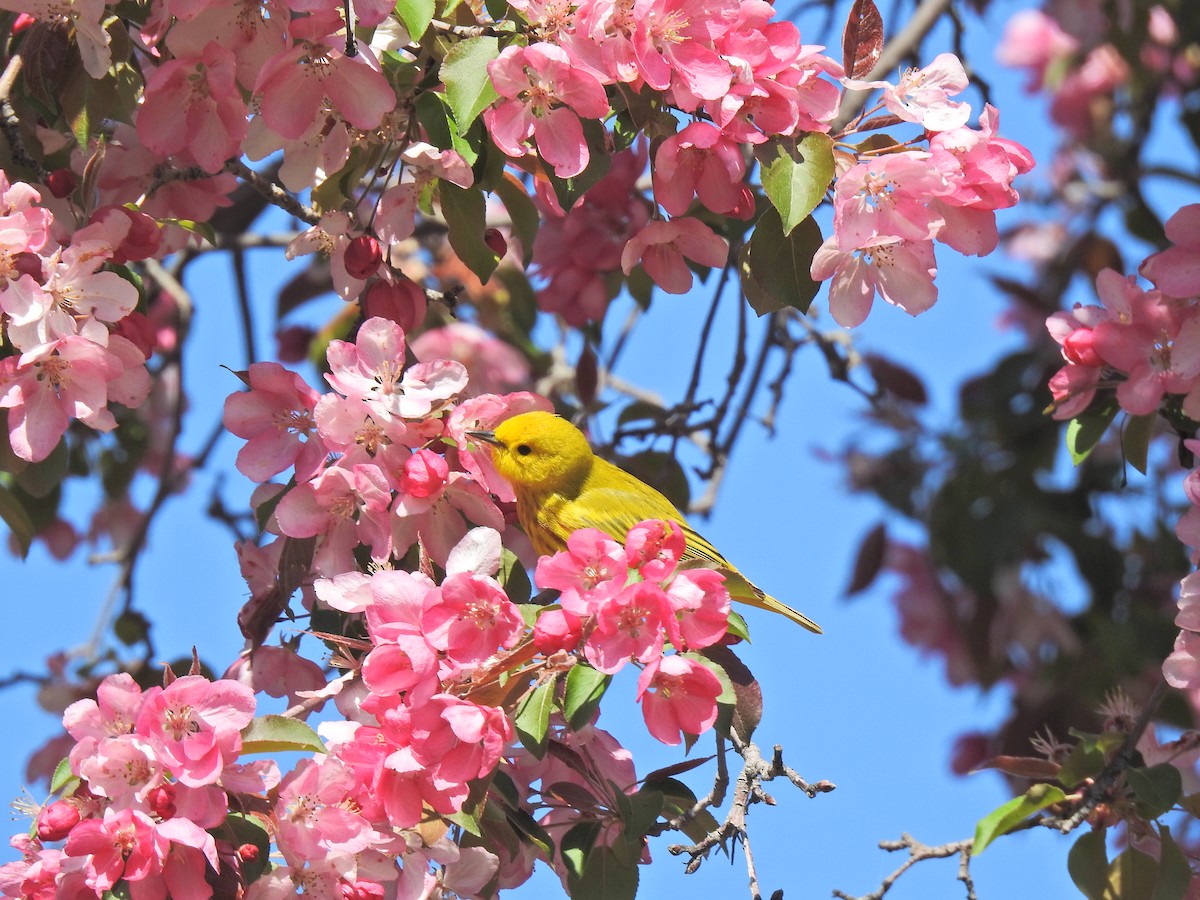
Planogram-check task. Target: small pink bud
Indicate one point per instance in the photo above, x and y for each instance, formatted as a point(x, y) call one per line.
point(495, 241)
point(140, 331)
point(425, 473)
point(162, 800)
point(1079, 347)
point(363, 256)
point(402, 301)
point(248, 853)
point(56, 821)
point(61, 182)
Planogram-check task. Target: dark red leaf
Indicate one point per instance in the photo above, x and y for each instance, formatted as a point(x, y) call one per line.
point(869, 560)
point(896, 379)
point(862, 41)
point(748, 707)
point(587, 377)
point(1022, 766)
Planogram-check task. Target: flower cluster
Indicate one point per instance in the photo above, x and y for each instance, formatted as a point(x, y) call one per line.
point(892, 203)
point(71, 317)
point(616, 616)
point(1147, 341)
point(1146, 344)
point(152, 771)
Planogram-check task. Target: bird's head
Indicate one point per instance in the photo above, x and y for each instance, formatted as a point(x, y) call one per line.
point(539, 450)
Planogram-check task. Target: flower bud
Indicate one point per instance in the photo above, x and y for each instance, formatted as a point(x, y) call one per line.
point(248, 853)
point(162, 801)
point(402, 301)
point(363, 256)
point(139, 331)
point(495, 241)
point(55, 821)
point(61, 182)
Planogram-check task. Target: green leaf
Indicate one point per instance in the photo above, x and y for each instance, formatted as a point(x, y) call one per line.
point(795, 175)
point(1087, 864)
point(638, 812)
point(513, 577)
point(521, 212)
point(464, 73)
point(1131, 876)
point(1083, 762)
point(465, 217)
point(1157, 788)
point(532, 721)
point(678, 798)
point(775, 267)
point(575, 847)
point(1085, 430)
point(737, 626)
point(585, 687)
point(416, 16)
point(1135, 440)
point(1009, 815)
point(247, 830)
point(1174, 873)
point(277, 734)
point(63, 776)
point(605, 876)
point(16, 517)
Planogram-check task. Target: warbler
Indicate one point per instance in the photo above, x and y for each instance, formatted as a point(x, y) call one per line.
point(561, 486)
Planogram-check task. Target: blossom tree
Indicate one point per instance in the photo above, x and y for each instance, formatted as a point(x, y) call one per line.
point(461, 175)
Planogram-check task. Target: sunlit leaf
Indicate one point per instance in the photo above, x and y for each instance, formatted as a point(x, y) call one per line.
point(1009, 815)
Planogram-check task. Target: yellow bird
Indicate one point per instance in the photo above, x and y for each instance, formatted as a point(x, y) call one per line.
point(561, 486)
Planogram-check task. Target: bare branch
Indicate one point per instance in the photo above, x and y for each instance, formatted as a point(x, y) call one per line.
point(918, 852)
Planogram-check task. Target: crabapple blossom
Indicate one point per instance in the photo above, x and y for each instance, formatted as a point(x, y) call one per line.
point(543, 96)
point(469, 618)
point(678, 697)
point(901, 272)
point(698, 161)
point(923, 95)
point(203, 90)
point(276, 418)
point(1176, 270)
point(661, 247)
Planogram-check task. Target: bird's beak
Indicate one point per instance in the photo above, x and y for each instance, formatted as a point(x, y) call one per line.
point(488, 437)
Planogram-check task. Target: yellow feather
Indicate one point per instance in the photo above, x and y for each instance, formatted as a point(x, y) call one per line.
point(561, 486)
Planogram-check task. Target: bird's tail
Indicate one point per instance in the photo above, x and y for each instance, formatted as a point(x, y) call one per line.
point(744, 592)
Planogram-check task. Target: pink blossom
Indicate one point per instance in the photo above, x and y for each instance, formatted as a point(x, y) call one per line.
point(674, 44)
point(1176, 270)
point(1073, 389)
point(296, 83)
point(592, 558)
point(654, 548)
point(698, 161)
point(331, 237)
point(1181, 668)
point(113, 712)
point(194, 726)
point(313, 814)
point(1034, 41)
point(544, 95)
point(75, 298)
point(701, 604)
point(439, 518)
point(1159, 350)
point(883, 200)
point(661, 247)
point(276, 417)
point(121, 845)
point(459, 740)
point(901, 272)
point(470, 618)
point(348, 506)
point(923, 95)
point(630, 624)
point(277, 672)
point(49, 385)
point(192, 108)
point(678, 697)
point(86, 21)
point(493, 366)
point(347, 426)
point(372, 369)
point(122, 768)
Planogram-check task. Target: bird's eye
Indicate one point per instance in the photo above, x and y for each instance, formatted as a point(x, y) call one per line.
point(524, 449)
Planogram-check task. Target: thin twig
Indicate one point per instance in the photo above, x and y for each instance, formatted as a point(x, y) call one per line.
point(918, 852)
point(273, 192)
